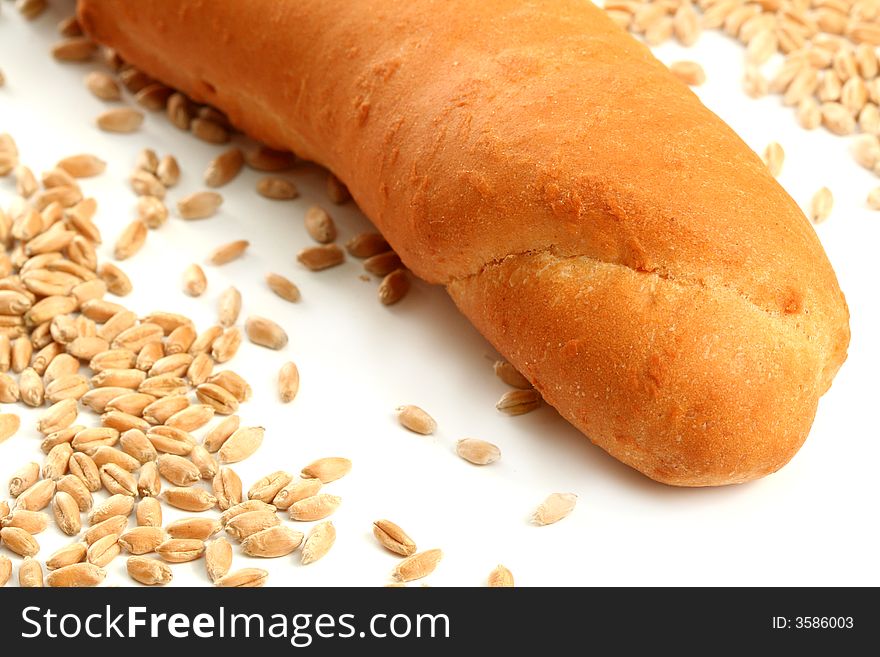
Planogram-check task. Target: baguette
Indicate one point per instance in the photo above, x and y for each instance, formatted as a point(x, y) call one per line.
point(608, 234)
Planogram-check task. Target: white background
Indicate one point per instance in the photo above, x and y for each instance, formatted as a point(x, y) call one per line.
point(814, 522)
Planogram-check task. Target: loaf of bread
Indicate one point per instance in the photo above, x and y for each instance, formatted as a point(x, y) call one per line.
point(607, 233)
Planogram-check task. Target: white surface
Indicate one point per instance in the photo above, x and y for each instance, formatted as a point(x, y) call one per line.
point(814, 522)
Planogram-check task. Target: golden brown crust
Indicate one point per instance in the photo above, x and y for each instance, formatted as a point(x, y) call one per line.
point(607, 232)
point(691, 385)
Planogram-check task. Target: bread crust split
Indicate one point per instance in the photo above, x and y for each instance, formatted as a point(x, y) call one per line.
point(611, 236)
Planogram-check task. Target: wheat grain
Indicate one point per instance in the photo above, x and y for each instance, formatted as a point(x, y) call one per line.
point(74, 487)
point(65, 556)
point(327, 469)
point(394, 287)
point(383, 264)
point(518, 402)
point(170, 440)
point(296, 490)
point(247, 523)
point(193, 528)
point(316, 507)
point(78, 575)
point(691, 73)
point(74, 49)
point(151, 572)
point(500, 577)
point(168, 170)
point(416, 419)
point(23, 478)
point(224, 168)
point(276, 188)
point(228, 252)
point(104, 455)
point(84, 468)
point(194, 281)
point(121, 120)
point(131, 240)
point(288, 382)
point(103, 551)
point(553, 509)
point(283, 287)
point(319, 225)
point(478, 452)
point(37, 496)
point(149, 512)
point(5, 570)
point(55, 465)
point(149, 484)
point(117, 480)
point(266, 488)
point(103, 86)
point(272, 543)
point(821, 205)
point(510, 375)
point(244, 578)
point(229, 307)
point(265, 332)
point(152, 211)
point(179, 111)
point(178, 470)
point(417, 566)
point(84, 165)
point(837, 118)
point(227, 488)
point(30, 574)
point(218, 558)
point(189, 499)
point(208, 131)
point(220, 399)
point(317, 258)
point(163, 408)
point(773, 158)
point(199, 205)
point(33, 522)
point(9, 425)
point(392, 537)
point(366, 245)
point(181, 550)
point(318, 543)
point(242, 443)
point(20, 542)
